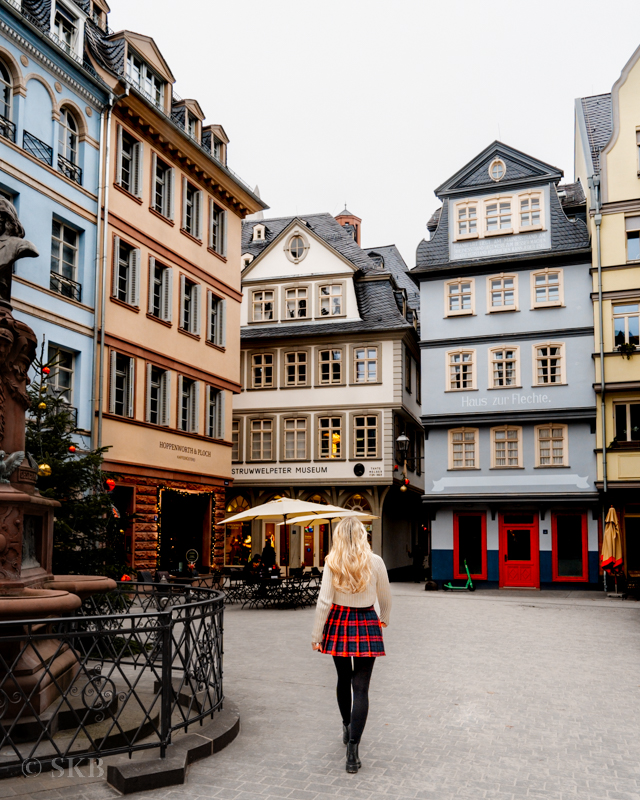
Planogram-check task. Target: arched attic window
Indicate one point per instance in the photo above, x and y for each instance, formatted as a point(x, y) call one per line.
point(6, 92)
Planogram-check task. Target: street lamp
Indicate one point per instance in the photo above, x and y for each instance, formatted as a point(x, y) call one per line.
point(402, 443)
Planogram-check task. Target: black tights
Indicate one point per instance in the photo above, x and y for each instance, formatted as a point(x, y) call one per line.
point(354, 673)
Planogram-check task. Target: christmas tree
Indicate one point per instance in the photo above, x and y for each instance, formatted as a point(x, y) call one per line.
point(87, 534)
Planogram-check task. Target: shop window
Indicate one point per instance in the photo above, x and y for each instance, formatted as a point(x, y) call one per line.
point(569, 547)
point(470, 545)
point(237, 546)
point(632, 545)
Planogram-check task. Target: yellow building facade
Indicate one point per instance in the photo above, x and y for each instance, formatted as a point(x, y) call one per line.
point(607, 163)
point(169, 349)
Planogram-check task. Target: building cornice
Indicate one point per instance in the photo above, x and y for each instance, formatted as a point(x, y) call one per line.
point(541, 498)
point(504, 417)
point(511, 336)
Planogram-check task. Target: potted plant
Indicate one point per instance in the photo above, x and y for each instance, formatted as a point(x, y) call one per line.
point(627, 349)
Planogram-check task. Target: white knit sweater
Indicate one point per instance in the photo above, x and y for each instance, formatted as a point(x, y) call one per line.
point(378, 586)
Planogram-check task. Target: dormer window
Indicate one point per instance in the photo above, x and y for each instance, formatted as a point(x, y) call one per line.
point(259, 233)
point(530, 211)
point(65, 27)
point(498, 216)
point(144, 79)
point(497, 170)
point(246, 260)
point(98, 16)
point(377, 259)
point(192, 126)
point(296, 248)
point(467, 222)
point(216, 148)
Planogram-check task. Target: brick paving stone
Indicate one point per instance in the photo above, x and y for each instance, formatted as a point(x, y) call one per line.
point(490, 696)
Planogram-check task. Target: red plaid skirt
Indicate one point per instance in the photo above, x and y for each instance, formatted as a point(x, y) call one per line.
point(352, 632)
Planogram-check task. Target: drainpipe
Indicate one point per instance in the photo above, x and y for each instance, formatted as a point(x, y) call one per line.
point(113, 99)
point(595, 184)
point(98, 270)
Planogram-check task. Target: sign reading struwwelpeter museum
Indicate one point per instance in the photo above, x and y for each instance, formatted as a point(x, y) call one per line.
point(335, 470)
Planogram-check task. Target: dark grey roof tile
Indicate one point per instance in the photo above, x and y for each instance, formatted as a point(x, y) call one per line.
point(599, 123)
point(396, 265)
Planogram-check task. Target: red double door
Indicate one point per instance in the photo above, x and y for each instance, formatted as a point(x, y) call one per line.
point(519, 551)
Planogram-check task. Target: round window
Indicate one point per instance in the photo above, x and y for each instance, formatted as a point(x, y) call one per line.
point(497, 170)
point(296, 247)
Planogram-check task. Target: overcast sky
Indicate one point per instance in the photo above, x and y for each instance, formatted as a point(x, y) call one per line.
point(375, 103)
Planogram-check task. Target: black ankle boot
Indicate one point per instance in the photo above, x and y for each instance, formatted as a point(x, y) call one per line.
point(345, 734)
point(353, 760)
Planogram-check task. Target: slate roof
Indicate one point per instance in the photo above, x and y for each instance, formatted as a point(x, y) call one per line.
point(599, 122)
point(395, 264)
point(432, 224)
point(574, 194)
point(377, 306)
point(324, 225)
point(566, 235)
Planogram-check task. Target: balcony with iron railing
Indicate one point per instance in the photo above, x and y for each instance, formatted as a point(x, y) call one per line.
point(69, 169)
point(36, 147)
point(65, 287)
point(7, 129)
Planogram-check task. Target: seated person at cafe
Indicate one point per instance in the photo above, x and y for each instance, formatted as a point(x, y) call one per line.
point(252, 568)
point(268, 555)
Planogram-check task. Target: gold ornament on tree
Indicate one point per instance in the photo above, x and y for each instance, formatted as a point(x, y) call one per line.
point(44, 470)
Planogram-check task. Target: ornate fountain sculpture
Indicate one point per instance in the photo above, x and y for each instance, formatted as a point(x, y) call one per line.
point(28, 589)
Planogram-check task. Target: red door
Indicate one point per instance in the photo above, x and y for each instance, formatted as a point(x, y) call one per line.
point(519, 551)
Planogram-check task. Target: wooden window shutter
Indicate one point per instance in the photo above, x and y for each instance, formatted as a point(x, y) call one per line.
point(167, 294)
point(138, 150)
point(184, 202)
point(222, 323)
point(183, 291)
point(112, 381)
point(147, 414)
point(152, 274)
point(196, 292)
point(119, 157)
point(154, 170)
point(116, 266)
point(134, 277)
point(130, 386)
point(220, 420)
point(170, 181)
point(194, 406)
point(165, 398)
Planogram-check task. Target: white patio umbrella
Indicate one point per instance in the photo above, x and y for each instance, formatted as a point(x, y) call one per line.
point(329, 516)
point(283, 507)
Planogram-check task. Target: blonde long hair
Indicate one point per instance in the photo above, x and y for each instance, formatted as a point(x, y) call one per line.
point(350, 557)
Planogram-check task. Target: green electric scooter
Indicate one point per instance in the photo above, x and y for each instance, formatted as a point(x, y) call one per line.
point(468, 585)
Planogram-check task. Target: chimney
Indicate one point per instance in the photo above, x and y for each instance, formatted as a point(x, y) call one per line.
point(350, 223)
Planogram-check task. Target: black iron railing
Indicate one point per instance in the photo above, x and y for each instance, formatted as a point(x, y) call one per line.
point(129, 669)
point(37, 148)
point(7, 129)
point(69, 169)
point(65, 286)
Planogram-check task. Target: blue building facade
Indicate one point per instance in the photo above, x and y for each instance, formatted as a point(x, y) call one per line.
point(50, 127)
point(506, 344)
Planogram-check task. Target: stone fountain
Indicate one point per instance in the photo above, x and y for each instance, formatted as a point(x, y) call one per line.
point(28, 589)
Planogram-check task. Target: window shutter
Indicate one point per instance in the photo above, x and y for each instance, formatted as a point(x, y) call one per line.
point(154, 170)
point(194, 391)
point(165, 398)
point(112, 381)
point(183, 224)
point(223, 233)
point(211, 336)
point(222, 323)
point(195, 308)
point(208, 398)
point(180, 390)
point(134, 277)
point(183, 289)
point(148, 398)
point(211, 208)
point(197, 215)
point(170, 180)
point(167, 294)
point(132, 374)
point(116, 261)
point(119, 157)
point(220, 418)
point(137, 169)
point(152, 271)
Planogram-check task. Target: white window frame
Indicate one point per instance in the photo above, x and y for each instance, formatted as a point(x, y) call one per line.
point(297, 258)
point(193, 404)
point(166, 290)
point(561, 357)
point(132, 293)
point(300, 294)
point(263, 364)
point(216, 413)
point(164, 396)
point(195, 229)
point(366, 427)
point(60, 244)
point(331, 361)
point(236, 440)
point(631, 226)
point(216, 319)
point(192, 292)
point(463, 312)
point(296, 364)
point(499, 201)
point(548, 303)
point(147, 76)
point(474, 433)
point(626, 404)
point(258, 234)
point(502, 276)
point(518, 438)
point(329, 297)
point(449, 374)
point(466, 206)
point(53, 353)
point(77, 20)
point(299, 429)
point(130, 373)
point(481, 204)
point(136, 167)
point(331, 428)
point(366, 359)
point(493, 361)
point(166, 208)
point(625, 315)
point(262, 302)
point(529, 197)
point(496, 162)
point(565, 445)
point(217, 228)
point(261, 431)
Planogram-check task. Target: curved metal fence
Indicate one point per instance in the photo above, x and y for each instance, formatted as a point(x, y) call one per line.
point(122, 674)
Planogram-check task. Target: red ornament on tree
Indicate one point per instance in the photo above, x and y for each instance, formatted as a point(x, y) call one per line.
point(46, 370)
point(111, 484)
point(72, 449)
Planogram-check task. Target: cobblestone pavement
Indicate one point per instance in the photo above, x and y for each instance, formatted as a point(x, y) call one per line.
point(485, 695)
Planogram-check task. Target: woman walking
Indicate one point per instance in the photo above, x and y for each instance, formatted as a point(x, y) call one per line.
point(347, 626)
